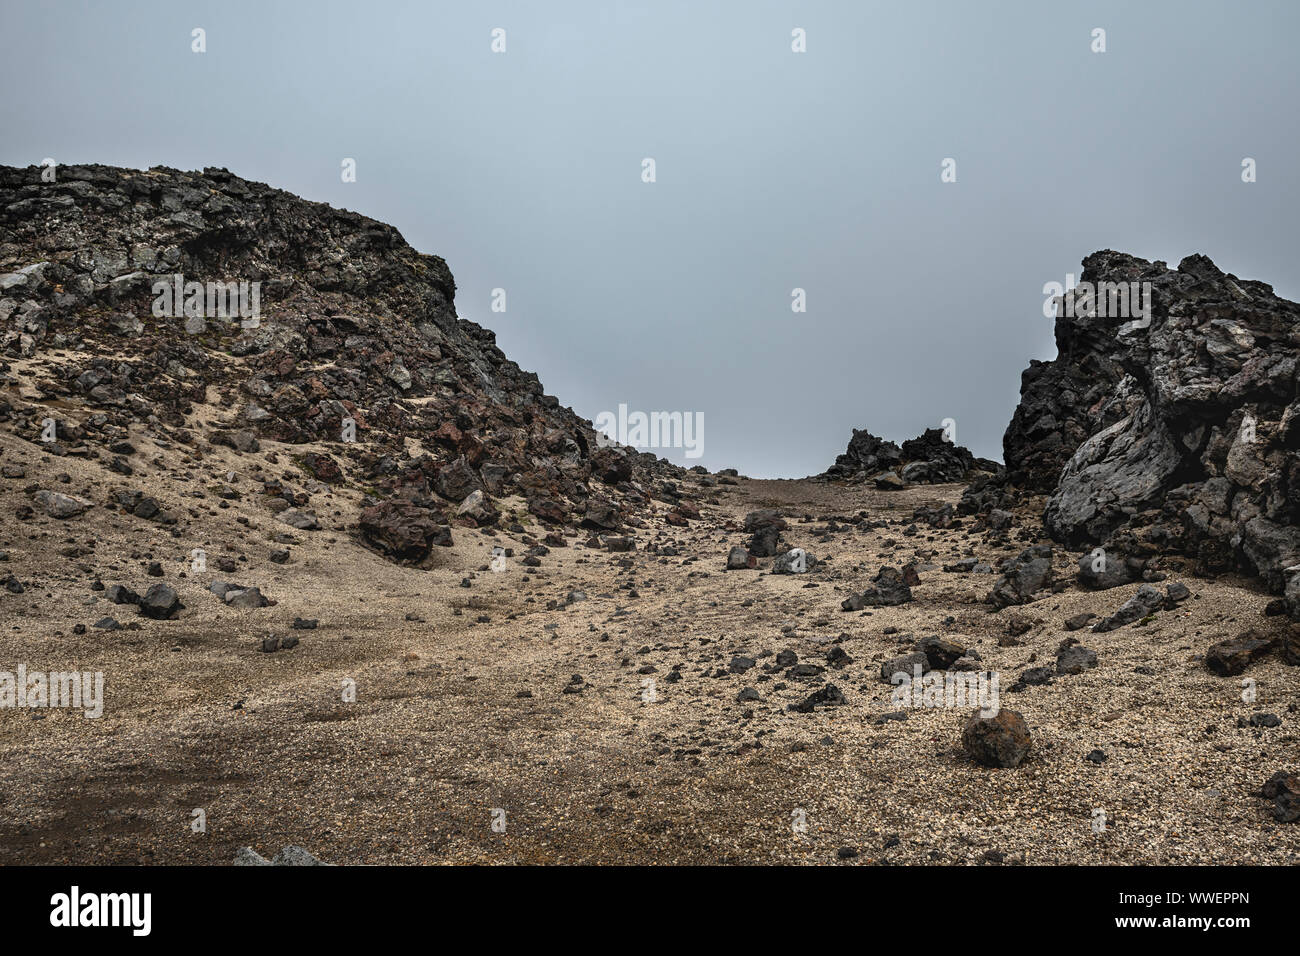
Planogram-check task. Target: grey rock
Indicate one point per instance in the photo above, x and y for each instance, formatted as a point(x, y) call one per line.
point(1075, 659)
point(1023, 576)
point(300, 519)
point(60, 506)
point(1146, 601)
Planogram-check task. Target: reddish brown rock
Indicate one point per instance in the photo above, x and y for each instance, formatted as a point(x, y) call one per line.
point(999, 741)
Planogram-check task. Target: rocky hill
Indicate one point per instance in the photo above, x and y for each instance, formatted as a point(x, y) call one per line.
point(354, 330)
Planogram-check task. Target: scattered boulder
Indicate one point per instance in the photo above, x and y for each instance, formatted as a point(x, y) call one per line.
point(1146, 601)
point(602, 513)
point(59, 505)
point(739, 559)
point(1000, 741)
point(828, 696)
point(941, 653)
point(160, 602)
point(1283, 789)
point(1100, 570)
point(1075, 659)
point(1023, 576)
point(403, 530)
point(1232, 656)
point(887, 589)
point(794, 561)
point(905, 664)
point(299, 518)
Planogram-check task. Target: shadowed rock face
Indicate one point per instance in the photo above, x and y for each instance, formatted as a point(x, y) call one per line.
point(354, 324)
point(1179, 435)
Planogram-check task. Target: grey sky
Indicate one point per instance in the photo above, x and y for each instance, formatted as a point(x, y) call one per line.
point(775, 170)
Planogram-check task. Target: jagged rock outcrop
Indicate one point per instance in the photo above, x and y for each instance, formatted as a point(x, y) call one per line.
point(929, 458)
point(353, 328)
point(1174, 431)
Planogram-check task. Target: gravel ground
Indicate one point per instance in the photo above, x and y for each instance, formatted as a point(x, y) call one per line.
point(456, 719)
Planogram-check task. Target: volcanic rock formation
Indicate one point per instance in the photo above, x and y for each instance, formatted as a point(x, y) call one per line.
point(354, 329)
point(1173, 432)
point(929, 458)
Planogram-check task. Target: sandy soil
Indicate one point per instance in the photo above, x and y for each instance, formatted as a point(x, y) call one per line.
point(440, 735)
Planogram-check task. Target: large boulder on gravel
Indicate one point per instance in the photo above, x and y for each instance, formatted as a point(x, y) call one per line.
point(603, 514)
point(1230, 657)
point(160, 602)
point(404, 530)
point(999, 741)
point(889, 587)
point(1284, 790)
point(765, 518)
point(60, 506)
point(794, 561)
point(738, 559)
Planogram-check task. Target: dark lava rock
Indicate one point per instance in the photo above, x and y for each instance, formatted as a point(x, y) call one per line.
point(1284, 790)
point(120, 594)
point(1178, 424)
point(828, 696)
point(838, 658)
point(1146, 601)
point(926, 459)
point(160, 602)
point(1230, 657)
point(765, 518)
point(404, 530)
point(941, 654)
point(1022, 576)
point(1000, 741)
point(1036, 676)
point(602, 513)
point(905, 664)
point(362, 331)
point(1075, 659)
point(1100, 570)
point(887, 589)
point(765, 542)
point(322, 468)
point(741, 664)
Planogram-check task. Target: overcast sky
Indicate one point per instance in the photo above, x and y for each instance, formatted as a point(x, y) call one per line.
point(775, 170)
